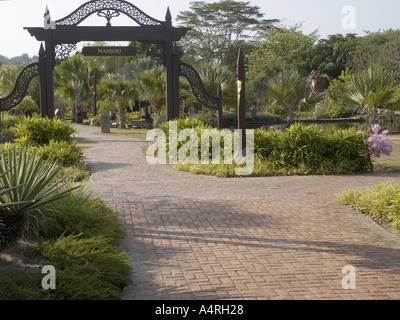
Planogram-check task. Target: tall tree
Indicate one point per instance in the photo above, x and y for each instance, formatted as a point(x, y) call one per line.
point(219, 28)
point(330, 56)
point(8, 76)
point(377, 48)
point(281, 48)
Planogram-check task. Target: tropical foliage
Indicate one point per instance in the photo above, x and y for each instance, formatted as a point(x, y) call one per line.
point(40, 131)
point(291, 91)
point(72, 81)
point(374, 88)
point(151, 85)
point(66, 226)
point(299, 149)
point(282, 48)
point(119, 91)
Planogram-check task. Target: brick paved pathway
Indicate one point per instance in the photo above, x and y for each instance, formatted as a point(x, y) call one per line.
point(201, 237)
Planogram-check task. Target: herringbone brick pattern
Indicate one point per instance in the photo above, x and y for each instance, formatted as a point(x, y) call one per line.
point(200, 237)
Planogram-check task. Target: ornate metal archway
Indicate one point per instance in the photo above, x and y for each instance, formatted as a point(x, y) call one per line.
point(61, 37)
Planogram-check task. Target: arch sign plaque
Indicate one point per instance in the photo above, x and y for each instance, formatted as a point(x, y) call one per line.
point(109, 51)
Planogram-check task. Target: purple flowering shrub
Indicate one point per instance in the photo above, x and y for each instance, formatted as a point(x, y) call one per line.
point(378, 143)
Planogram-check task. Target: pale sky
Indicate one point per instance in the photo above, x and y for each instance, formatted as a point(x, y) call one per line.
point(325, 15)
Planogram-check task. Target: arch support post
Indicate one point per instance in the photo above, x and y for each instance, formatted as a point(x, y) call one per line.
point(172, 70)
point(175, 76)
point(43, 81)
point(50, 59)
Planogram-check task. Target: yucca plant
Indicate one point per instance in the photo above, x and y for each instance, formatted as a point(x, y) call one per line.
point(28, 182)
point(8, 219)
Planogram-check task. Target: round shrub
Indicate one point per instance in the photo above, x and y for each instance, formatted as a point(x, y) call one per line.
point(63, 152)
point(40, 131)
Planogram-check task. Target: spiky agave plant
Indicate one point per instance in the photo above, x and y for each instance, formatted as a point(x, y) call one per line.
point(28, 182)
point(8, 222)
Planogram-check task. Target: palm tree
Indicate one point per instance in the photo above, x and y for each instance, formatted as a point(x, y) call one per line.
point(72, 82)
point(373, 89)
point(291, 91)
point(151, 86)
point(213, 75)
point(119, 91)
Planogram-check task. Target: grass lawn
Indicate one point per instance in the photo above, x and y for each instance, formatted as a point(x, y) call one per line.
point(84, 141)
point(138, 134)
point(392, 162)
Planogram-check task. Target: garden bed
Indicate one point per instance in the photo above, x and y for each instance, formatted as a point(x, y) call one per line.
point(298, 150)
point(380, 202)
point(77, 234)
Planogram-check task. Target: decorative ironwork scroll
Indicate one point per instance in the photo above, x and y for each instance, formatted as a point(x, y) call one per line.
point(20, 88)
point(63, 51)
point(108, 9)
point(108, 15)
point(199, 92)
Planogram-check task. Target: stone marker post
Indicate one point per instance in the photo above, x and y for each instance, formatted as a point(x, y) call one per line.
point(105, 122)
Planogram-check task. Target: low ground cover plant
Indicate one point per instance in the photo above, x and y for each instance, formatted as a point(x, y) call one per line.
point(381, 201)
point(79, 236)
point(62, 225)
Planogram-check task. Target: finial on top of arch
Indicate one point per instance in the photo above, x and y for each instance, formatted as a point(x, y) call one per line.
point(168, 16)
